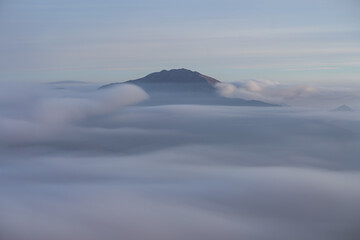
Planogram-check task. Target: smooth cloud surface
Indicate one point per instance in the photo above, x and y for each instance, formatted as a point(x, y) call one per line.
point(84, 165)
point(295, 95)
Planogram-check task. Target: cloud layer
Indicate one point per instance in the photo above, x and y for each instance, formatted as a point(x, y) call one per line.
point(102, 169)
point(295, 95)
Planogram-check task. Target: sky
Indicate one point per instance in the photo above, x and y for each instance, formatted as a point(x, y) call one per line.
point(293, 42)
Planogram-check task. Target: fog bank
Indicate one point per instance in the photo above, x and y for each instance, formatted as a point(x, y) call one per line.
point(87, 165)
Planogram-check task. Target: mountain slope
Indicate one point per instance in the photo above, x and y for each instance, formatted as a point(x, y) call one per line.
point(174, 80)
point(343, 108)
point(182, 86)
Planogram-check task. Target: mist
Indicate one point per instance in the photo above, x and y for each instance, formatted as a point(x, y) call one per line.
point(299, 95)
point(87, 164)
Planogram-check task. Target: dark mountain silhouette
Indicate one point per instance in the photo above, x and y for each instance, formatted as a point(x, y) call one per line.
point(174, 81)
point(343, 108)
point(182, 86)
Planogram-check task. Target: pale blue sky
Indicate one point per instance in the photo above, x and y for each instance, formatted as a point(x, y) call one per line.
point(308, 41)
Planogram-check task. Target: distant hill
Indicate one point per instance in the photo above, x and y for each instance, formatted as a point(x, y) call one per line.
point(67, 82)
point(183, 86)
point(173, 81)
point(343, 108)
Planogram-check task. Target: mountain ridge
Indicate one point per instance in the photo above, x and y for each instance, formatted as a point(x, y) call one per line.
point(183, 86)
point(343, 108)
point(174, 76)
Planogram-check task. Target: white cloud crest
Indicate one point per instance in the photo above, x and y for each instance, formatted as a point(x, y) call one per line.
point(265, 90)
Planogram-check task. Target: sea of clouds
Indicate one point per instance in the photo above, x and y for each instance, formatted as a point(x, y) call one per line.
point(291, 94)
point(78, 163)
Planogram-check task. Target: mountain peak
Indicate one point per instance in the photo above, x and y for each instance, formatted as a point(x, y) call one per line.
point(343, 108)
point(174, 79)
point(178, 70)
point(177, 76)
point(183, 86)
